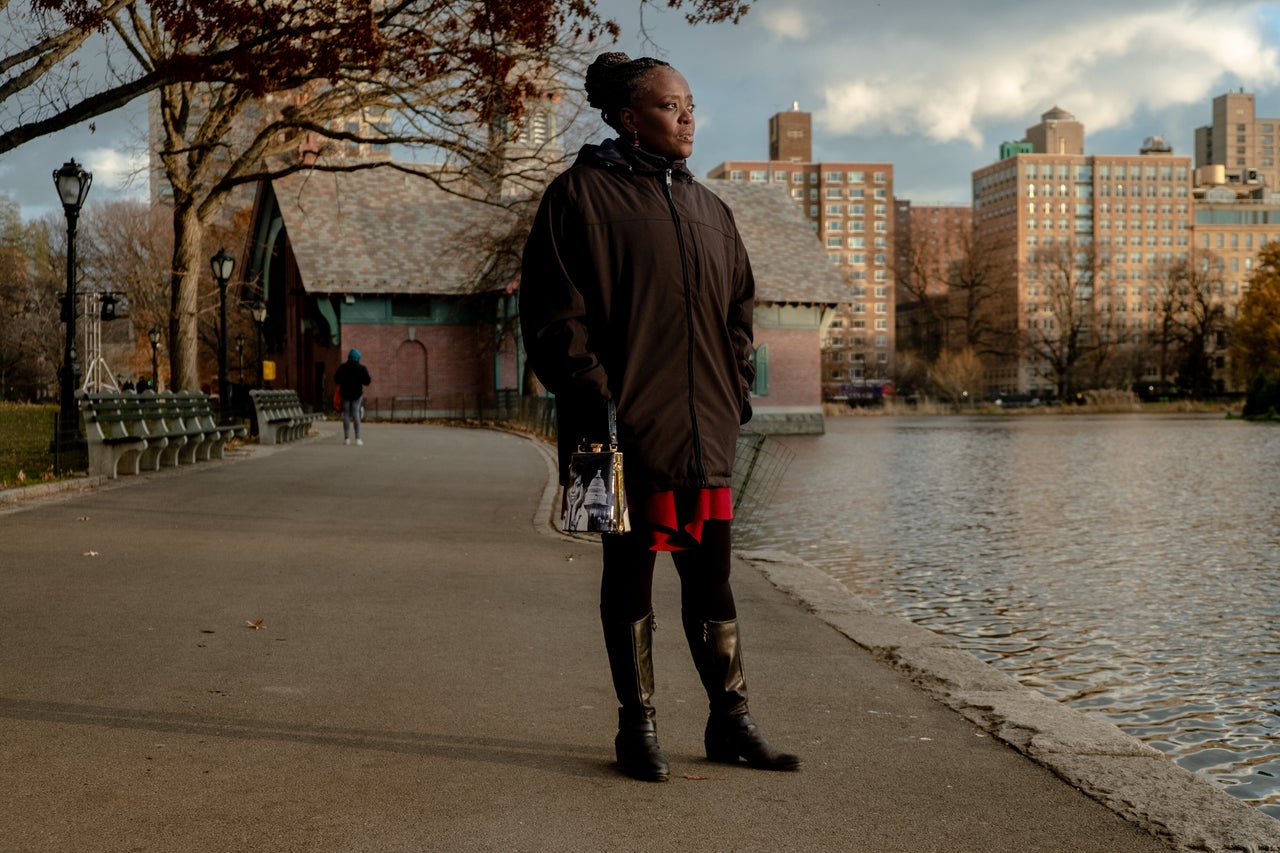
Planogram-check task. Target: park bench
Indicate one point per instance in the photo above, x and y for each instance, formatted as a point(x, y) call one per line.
point(128, 433)
point(280, 415)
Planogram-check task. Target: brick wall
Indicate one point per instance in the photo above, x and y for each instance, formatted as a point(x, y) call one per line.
point(795, 367)
point(414, 361)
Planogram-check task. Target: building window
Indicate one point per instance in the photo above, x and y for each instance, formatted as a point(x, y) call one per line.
point(879, 177)
point(834, 177)
point(759, 176)
point(760, 360)
point(857, 177)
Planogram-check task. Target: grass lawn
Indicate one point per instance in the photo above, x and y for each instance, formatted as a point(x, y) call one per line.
point(25, 433)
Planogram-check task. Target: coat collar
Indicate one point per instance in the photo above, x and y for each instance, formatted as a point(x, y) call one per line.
point(615, 154)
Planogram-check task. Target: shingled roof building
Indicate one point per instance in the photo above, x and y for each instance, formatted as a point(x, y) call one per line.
point(797, 293)
point(381, 261)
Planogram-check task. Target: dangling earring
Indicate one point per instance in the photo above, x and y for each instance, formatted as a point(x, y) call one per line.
point(635, 138)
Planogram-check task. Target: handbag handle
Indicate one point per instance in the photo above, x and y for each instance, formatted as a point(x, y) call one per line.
point(585, 446)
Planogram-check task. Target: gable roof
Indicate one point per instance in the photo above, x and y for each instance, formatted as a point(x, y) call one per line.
point(787, 258)
point(380, 230)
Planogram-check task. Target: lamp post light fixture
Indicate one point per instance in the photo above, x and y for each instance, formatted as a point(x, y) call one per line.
point(154, 337)
point(259, 314)
point(72, 183)
point(222, 265)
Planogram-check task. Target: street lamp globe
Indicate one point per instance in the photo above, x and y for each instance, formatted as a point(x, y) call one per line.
point(222, 265)
point(73, 183)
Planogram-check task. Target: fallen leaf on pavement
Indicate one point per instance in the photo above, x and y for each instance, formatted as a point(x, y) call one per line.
point(694, 778)
point(90, 553)
point(255, 624)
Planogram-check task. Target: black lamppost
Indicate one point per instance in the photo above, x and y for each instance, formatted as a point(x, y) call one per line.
point(222, 265)
point(72, 183)
point(154, 337)
point(239, 358)
point(259, 314)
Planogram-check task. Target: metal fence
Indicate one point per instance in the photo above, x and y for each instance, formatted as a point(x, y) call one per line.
point(758, 468)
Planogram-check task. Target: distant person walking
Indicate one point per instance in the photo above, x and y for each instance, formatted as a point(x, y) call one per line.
point(351, 379)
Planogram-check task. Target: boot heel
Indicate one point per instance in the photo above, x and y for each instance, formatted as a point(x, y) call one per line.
point(737, 737)
point(720, 747)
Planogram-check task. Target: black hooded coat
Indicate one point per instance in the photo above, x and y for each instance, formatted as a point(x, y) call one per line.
point(636, 287)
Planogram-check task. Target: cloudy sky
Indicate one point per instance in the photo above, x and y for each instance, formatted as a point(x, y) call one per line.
point(931, 86)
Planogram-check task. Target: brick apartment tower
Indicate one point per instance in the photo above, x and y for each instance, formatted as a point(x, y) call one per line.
point(1239, 142)
point(1136, 214)
point(850, 207)
point(1130, 215)
point(931, 240)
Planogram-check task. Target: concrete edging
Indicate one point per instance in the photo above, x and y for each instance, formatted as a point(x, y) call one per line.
point(1134, 780)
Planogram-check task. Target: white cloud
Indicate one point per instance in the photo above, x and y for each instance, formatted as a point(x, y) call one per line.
point(788, 23)
point(122, 174)
point(1103, 65)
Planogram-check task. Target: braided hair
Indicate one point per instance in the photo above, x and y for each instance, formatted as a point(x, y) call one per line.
point(612, 81)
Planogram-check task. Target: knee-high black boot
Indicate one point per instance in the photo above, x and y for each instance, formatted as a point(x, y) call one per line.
point(731, 732)
point(630, 648)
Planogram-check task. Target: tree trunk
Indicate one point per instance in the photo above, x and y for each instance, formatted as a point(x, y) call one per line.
point(184, 354)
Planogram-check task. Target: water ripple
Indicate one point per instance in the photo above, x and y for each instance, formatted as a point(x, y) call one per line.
point(1124, 565)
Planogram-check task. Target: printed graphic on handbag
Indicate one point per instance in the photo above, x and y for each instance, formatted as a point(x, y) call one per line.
point(596, 498)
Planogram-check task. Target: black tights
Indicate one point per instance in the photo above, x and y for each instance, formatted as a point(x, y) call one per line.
point(626, 584)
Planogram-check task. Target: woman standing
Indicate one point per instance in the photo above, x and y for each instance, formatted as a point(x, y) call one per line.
point(636, 289)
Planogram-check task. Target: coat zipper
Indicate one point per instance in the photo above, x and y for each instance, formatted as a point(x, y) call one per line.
point(688, 313)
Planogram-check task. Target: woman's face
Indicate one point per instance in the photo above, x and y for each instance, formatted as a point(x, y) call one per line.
point(661, 114)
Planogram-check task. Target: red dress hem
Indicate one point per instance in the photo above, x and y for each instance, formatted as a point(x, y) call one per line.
point(673, 520)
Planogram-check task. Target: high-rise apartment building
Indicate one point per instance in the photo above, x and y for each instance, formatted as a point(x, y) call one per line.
point(850, 207)
point(1079, 246)
point(1157, 253)
point(1240, 142)
point(930, 241)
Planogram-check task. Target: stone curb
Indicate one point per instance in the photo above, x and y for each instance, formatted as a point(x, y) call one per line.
point(1132, 779)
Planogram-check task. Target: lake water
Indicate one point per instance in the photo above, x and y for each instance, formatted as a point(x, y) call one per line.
point(1127, 565)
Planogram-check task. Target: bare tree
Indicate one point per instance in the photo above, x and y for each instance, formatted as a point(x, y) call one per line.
point(973, 300)
point(1192, 323)
point(958, 377)
point(1065, 324)
point(250, 91)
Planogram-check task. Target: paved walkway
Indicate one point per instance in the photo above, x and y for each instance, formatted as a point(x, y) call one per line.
point(315, 647)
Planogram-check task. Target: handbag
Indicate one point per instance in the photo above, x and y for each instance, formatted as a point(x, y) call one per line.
point(596, 499)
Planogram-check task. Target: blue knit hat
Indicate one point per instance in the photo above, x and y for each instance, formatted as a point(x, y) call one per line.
point(354, 355)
